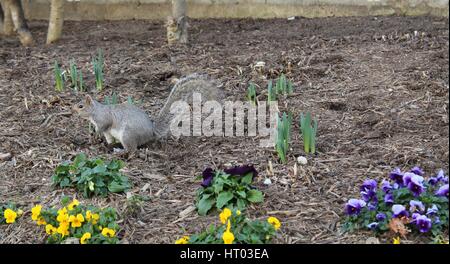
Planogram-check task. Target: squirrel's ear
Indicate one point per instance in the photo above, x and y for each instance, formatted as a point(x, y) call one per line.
point(88, 100)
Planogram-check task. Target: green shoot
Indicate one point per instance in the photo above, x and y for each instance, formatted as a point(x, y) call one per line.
point(284, 86)
point(309, 133)
point(111, 100)
point(271, 93)
point(251, 94)
point(80, 82)
point(98, 70)
point(59, 78)
point(283, 136)
point(130, 100)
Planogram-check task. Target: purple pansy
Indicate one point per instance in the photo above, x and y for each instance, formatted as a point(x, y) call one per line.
point(423, 223)
point(380, 217)
point(354, 206)
point(414, 217)
point(389, 199)
point(399, 211)
point(433, 181)
point(242, 170)
point(407, 178)
point(397, 176)
point(208, 175)
point(433, 210)
point(437, 220)
point(415, 184)
point(443, 191)
point(368, 190)
point(372, 206)
point(372, 226)
point(441, 177)
point(386, 186)
point(416, 206)
point(417, 170)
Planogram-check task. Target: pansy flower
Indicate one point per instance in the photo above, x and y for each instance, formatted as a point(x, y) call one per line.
point(354, 206)
point(417, 170)
point(415, 185)
point(416, 206)
point(397, 176)
point(399, 211)
point(443, 191)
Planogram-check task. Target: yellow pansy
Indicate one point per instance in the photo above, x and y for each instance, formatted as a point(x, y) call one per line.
point(73, 204)
point(63, 229)
point(224, 215)
point(41, 221)
point(49, 229)
point(275, 222)
point(62, 211)
point(227, 236)
point(62, 217)
point(85, 237)
point(95, 218)
point(183, 240)
point(88, 215)
point(36, 212)
point(10, 216)
point(396, 240)
point(76, 220)
point(108, 232)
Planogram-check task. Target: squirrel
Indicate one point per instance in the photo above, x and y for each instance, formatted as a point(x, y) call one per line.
point(131, 126)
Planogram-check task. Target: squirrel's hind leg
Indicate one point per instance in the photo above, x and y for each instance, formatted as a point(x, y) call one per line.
point(109, 138)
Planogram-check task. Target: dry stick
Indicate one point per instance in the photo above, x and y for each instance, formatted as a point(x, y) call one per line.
point(56, 21)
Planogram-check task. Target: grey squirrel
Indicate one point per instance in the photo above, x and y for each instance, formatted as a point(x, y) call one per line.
point(131, 126)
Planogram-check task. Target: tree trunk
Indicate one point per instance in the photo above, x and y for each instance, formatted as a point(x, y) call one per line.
point(177, 24)
point(56, 21)
point(7, 23)
point(14, 10)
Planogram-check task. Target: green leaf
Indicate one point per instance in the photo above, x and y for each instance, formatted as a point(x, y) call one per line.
point(117, 187)
point(223, 198)
point(241, 204)
point(255, 196)
point(247, 179)
point(204, 205)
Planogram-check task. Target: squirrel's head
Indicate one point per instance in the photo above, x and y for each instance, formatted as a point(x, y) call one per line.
point(85, 107)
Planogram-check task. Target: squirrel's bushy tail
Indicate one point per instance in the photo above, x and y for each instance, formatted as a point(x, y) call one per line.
point(183, 91)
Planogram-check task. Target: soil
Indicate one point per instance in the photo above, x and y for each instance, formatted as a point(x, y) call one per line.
point(379, 87)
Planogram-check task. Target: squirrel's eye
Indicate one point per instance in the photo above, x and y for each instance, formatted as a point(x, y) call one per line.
point(80, 106)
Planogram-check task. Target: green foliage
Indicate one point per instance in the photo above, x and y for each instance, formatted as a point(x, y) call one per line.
point(284, 86)
point(251, 94)
point(91, 176)
point(227, 191)
point(283, 136)
point(59, 77)
point(98, 70)
point(271, 92)
point(74, 75)
point(111, 100)
point(245, 231)
point(80, 82)
point(309, 132)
